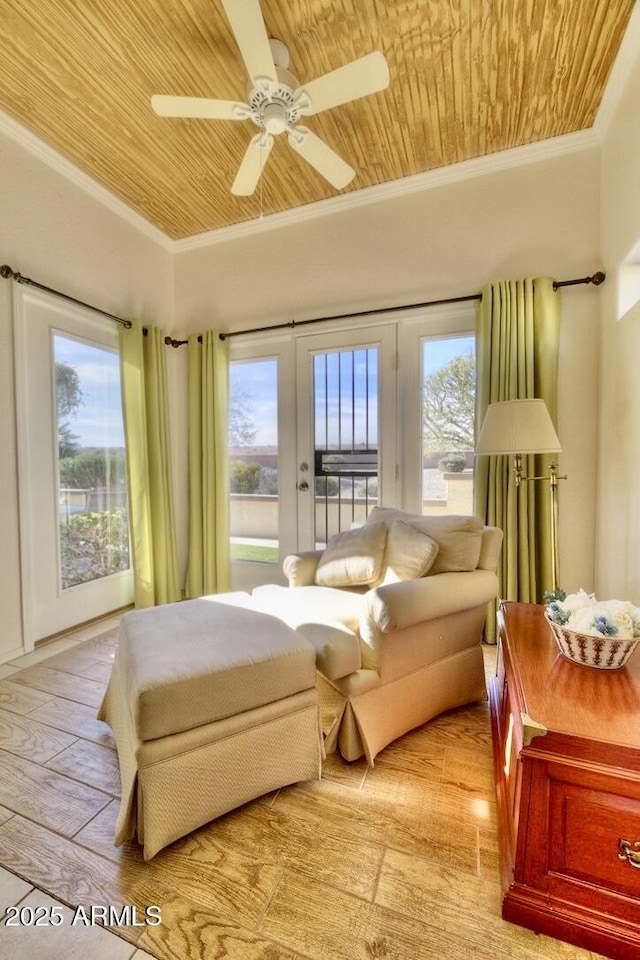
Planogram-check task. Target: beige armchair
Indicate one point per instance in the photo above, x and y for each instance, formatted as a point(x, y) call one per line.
point(396, 611)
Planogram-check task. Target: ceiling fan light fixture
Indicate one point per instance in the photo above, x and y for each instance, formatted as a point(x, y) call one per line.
point(274, 118)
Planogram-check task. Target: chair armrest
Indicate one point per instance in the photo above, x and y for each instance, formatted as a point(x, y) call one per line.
point(300, 568)
point(398, 605)
point(490, 549)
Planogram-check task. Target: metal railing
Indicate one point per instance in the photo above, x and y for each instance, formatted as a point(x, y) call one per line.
point(346, 487)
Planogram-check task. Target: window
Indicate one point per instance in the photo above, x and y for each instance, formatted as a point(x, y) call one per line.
point(448, 400)
point(629, 282)
point(93, 527)
point(253, 459)
point(325, 425)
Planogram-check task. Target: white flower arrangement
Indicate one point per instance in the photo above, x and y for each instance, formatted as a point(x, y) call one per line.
point(583, 613)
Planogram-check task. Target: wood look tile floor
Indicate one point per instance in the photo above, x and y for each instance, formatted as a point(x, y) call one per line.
point(397, 862)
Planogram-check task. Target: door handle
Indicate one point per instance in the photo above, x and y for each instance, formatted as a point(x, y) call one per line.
point(302, 485)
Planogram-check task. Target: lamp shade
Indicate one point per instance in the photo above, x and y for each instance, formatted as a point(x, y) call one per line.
point(517, 426)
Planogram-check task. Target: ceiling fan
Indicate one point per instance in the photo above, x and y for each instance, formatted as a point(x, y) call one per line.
point(276, 101)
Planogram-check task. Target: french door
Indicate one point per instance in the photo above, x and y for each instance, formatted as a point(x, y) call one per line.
point(71, 461)
point(324, 427)
point(346, 429)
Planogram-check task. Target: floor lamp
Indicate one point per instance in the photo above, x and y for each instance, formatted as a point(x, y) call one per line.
point(519, 427)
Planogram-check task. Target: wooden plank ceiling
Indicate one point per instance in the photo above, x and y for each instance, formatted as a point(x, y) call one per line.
point(468, 78)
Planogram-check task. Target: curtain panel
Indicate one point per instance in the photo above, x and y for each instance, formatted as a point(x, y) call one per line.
point(209, 562)
point(149, 474)
point(517, 345)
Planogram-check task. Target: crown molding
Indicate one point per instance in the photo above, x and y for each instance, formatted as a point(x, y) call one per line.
point(620, 74)
point(33, 145)
point(418, 183)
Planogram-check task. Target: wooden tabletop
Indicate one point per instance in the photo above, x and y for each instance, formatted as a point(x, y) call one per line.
point(567, 697)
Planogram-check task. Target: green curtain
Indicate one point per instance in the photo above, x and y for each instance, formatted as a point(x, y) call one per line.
point(517, 344)
point(209, 565)
point(146, 422)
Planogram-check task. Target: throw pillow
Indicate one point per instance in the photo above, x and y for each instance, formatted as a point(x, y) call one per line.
point(353, 558)
point(409, 553)
point(459, 538)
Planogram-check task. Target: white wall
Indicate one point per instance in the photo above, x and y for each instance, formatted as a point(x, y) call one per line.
point(59, 235)
point(537, 219)
point(618, 527)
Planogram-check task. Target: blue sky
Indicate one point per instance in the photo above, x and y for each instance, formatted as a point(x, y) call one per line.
point(437, 353)
point(346, 399)
point(257, 382)
point(98, 422)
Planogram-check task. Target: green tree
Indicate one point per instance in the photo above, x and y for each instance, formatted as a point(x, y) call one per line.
point(69, 399)
point(68, 393)
point(327, 486)
point(242, 429)
point(244, 477)
point(448, 406)
point(93, 470)
point(68, 442)
point(93, 545)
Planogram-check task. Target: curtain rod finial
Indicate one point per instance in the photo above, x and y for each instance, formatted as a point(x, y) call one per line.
point(598, 278)
point(7, 273)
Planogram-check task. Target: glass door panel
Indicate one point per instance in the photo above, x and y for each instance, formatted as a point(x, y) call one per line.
point(93, 527)
point(448, 400)
point(345, 402)
point(253, 460)
point(346, 430)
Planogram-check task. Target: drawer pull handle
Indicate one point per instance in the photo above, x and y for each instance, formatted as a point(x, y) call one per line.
point(626, 853)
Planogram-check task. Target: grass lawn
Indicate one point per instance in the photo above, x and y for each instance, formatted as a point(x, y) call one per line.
point(248, 551)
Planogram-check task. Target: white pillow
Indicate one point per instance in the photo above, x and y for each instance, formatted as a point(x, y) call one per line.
point(409, 553)
point(353, 558)
point(458, 537)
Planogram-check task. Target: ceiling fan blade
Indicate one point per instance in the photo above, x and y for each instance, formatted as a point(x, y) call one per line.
point(247, 23)
point(320, 155)
point(360, 78)
point(198, 108)
point(252, 164)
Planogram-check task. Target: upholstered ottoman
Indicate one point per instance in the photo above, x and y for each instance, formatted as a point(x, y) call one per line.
point(211, 705)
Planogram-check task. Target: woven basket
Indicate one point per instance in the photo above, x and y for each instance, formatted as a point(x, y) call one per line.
point(604, 653)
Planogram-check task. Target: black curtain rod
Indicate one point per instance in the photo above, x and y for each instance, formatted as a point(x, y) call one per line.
point(170, 342)
point(596, 279)
point(8, 274)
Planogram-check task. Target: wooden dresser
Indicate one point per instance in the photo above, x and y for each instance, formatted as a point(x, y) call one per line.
point(566, 743)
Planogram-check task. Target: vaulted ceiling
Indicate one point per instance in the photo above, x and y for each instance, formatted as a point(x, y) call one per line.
point(467, 78)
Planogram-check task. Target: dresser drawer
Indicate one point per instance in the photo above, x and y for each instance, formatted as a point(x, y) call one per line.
point(592, 825)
